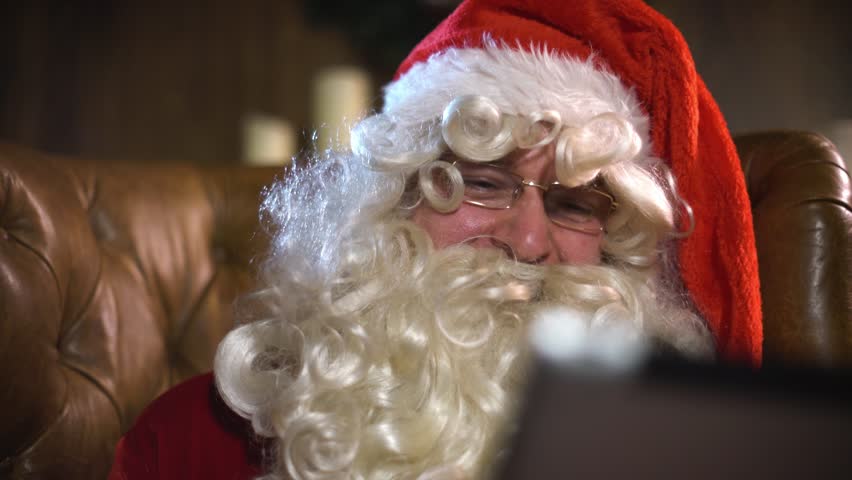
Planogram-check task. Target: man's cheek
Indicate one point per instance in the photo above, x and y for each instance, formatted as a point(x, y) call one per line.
point(457, 227)
point(578, 248)
point(467, 226)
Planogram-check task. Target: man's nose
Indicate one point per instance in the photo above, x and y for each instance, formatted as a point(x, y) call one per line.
point(527, 230)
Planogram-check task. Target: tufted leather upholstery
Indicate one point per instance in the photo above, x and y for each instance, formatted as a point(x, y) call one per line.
point(800, 195)
point(116, 282)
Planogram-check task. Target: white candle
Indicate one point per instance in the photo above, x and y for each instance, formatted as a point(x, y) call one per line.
point(342, 95)
point(267, 140)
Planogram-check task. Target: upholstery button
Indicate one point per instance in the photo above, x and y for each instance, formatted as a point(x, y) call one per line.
point(4, 235)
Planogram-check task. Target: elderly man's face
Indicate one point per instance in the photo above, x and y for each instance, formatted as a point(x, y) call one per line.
point(526, 228)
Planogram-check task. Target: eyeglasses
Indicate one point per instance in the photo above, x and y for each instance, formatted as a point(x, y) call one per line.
point(582, 209)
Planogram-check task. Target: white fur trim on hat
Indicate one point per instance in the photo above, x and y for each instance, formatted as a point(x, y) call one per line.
point(520, 82)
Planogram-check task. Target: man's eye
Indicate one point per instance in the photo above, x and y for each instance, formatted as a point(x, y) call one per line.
point(576, 208)
point(482, 184)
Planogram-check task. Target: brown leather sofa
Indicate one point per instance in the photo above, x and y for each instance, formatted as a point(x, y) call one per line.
point(117, 280)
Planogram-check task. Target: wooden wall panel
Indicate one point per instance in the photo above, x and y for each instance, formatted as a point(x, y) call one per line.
point(157, 80)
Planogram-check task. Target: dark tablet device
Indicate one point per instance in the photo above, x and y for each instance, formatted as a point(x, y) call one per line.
point(669, 419)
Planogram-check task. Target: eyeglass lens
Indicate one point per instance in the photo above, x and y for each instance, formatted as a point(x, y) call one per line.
point(495, 187)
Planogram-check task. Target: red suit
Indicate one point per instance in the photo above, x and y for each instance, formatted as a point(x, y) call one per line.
point(189, 433)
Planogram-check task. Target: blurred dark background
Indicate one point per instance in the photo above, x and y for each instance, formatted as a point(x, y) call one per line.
point(157, 80)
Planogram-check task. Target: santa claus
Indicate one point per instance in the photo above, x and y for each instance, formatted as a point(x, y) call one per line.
point(531, 158)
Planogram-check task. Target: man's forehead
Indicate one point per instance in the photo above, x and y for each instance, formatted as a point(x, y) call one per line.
point(521, 156)
point(515, 159)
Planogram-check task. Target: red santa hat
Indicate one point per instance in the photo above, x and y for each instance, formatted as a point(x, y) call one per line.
point(587, 57)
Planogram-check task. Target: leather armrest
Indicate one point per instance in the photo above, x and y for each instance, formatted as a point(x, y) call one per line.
point(800, 194)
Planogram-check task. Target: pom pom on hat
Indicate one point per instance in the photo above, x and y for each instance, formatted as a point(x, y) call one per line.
point(587, 57)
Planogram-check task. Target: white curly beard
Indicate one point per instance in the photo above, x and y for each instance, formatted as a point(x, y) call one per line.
point(409, 364)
